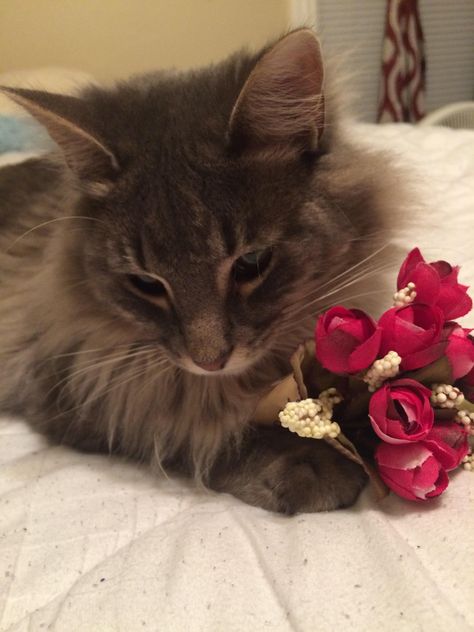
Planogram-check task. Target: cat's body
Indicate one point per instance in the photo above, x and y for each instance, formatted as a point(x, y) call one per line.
point(131, 319)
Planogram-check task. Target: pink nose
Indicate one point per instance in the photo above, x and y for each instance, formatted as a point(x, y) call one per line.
point(217, 364)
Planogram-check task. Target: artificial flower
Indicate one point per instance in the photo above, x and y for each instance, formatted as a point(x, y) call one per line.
point(400, 411)
point(459, 350)
point(347, 340)
point(448, 441)
point(411, 470)
point(436, 283)
point(415, 333)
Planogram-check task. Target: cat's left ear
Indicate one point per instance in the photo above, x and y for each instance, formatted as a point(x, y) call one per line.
point(280, 109)
point(69, 124)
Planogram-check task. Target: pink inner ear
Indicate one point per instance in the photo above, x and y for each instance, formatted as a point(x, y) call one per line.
point(282, 101)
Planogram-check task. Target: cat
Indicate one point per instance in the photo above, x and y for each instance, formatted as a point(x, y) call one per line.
point(158, 270)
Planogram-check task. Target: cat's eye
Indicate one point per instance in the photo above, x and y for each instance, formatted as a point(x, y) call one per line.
point(250, 266)
point(148, 285)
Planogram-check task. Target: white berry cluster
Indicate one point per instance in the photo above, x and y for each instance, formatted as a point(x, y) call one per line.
point(330, 397)
point(446, 396)
point(312, 417)
point(468, 462)
point(382, 370)
point(405, 296)
point(466, 419)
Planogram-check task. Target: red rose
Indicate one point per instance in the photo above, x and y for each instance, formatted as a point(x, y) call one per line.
point(411, 470)
point(347, 340)
point(415, 333)
point(436, 283)
point(459, 350)
point(467, 385)
point(448, 441)
point(401, 412)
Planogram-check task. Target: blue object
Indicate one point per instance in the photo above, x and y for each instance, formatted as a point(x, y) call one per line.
point(22, 134)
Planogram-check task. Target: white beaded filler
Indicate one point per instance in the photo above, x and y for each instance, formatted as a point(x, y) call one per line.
point(466, 419)
point(330, 397)
point(446, 396)
point(468, 462)
point(382, 370)
point(405, 296)
point(312, 417)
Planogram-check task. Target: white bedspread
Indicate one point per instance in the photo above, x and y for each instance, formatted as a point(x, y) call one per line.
point(90, 543)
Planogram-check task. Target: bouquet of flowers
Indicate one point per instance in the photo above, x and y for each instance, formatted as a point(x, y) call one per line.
point(402, 388)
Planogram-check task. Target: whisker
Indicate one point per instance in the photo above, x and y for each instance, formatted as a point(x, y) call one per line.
point(367, 274)
point(292, 325)
point(94, 365)
point(103, 361)
point(114, 385)
point(364, 275)
point(116, 382)
point(97, 349)
point(358, 275)
point(51, 221)
point(355, 266)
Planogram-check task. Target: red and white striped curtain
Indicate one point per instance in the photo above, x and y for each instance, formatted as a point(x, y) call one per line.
point(402, 91)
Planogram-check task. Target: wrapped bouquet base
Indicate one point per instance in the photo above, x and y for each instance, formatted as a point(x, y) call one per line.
point(396, 395)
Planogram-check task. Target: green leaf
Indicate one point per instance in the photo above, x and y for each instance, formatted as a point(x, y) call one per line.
point(438, 372)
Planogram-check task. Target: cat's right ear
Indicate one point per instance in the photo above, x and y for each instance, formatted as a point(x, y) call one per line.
point(280, 109)
point(67, 121)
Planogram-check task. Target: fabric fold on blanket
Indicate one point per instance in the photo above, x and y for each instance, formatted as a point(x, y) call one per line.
point(89, 542)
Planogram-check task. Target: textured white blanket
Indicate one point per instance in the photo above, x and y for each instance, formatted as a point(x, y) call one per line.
point(90, 543)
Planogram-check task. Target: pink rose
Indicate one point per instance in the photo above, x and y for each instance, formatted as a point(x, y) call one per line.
point(459, 350)
point(401, 412)
point(411, 470)
point(347, 340)
point(436, 284)
point(448, 441)
point(415, 332)
point(467, 385)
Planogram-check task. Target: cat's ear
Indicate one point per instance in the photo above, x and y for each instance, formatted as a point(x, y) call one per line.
point(67, 121)
point(281, 106)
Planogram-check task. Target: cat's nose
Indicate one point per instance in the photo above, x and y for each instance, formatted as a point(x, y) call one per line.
point(217, 364)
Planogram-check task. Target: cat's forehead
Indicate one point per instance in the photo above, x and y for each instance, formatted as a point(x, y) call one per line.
point(204, 212)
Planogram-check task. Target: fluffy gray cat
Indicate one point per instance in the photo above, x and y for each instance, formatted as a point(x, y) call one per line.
point(157, 273)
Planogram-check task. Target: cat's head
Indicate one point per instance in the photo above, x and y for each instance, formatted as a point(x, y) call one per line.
point(224, 198)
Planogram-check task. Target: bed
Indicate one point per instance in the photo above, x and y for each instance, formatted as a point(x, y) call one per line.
point(91, 543)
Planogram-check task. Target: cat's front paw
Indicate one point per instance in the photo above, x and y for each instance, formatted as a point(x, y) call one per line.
point(315, 478)
point(290, 475)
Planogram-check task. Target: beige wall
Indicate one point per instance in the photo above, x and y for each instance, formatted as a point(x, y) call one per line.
point(114, 38)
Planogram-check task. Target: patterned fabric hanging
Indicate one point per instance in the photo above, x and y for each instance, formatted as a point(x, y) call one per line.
point(402, 90)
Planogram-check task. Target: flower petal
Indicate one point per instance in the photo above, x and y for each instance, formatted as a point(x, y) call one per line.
point(454, 301)
point(422, 358)
point(339, 334)
point(411, 470)
point(400, 411)
point(448, 441)
point(410, 329)
point(400, 482)
point(427, 283)
point(363, 355)
point(405, 457)
point(430, 480)
point(413, 258)
point(459, 351)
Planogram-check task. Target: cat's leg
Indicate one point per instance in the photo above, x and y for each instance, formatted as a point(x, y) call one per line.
point(281, 472)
